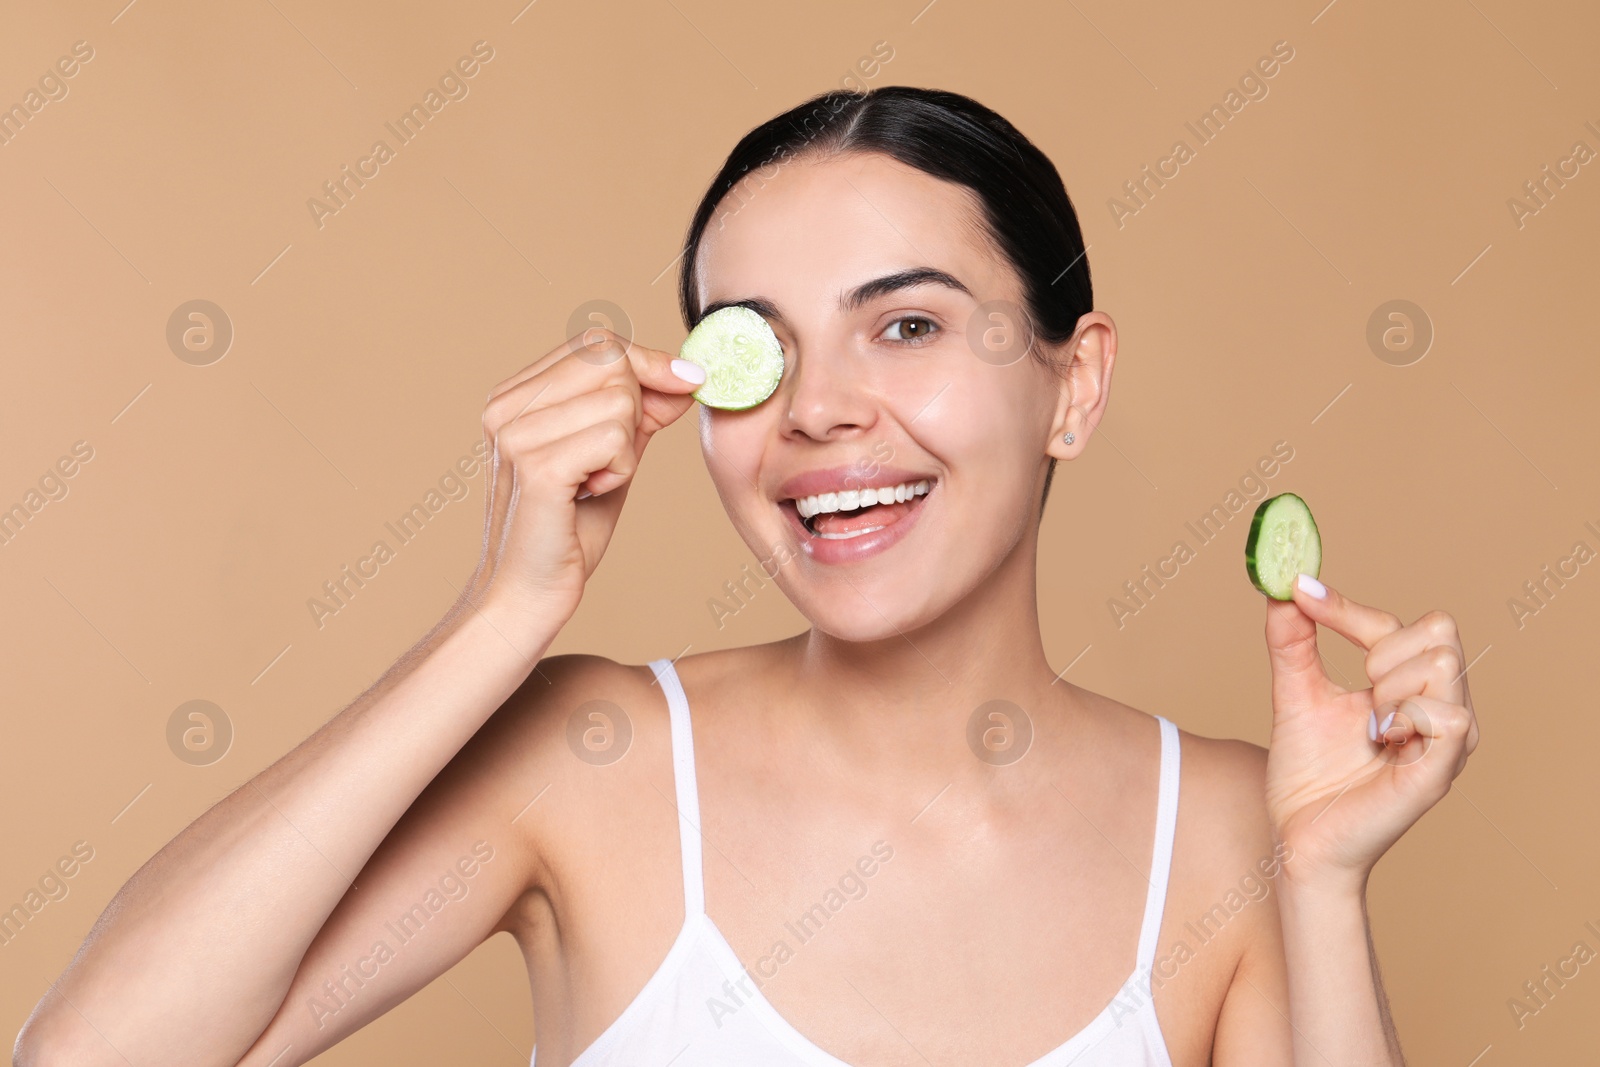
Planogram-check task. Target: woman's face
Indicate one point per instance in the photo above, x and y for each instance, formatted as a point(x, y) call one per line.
point(881, 387)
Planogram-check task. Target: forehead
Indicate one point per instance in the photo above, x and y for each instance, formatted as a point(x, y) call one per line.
point(820, 226)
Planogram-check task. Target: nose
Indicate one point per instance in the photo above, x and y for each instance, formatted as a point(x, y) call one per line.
point(825, 398)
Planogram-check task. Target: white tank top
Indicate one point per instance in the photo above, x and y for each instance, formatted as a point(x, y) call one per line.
point(671, 1021)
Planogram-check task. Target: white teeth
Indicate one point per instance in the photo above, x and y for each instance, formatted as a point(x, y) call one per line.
point(851, 499)
point(852, 533)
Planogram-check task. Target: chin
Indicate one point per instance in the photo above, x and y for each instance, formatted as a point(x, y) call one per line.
point(845, 616)
point(865, 606)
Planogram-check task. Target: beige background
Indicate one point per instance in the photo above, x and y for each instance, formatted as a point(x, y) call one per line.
point(220, 497)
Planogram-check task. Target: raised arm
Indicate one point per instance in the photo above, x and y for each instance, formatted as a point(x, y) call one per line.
point(1348, 772)
point(197, 953)
point(453, 872)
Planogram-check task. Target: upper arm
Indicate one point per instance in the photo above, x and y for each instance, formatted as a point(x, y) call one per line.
point(1253, 1028)
point(442, 881)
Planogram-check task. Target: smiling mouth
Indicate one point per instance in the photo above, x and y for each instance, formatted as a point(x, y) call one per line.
point(855, 513)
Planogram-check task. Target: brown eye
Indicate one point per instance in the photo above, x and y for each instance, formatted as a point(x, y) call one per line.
point(911, 329)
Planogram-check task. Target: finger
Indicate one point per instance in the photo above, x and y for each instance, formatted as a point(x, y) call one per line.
point(664, 393)
point(516, 397)
point(557, 384)
point(1298, 679)
point(601, 347)
point(1357, 622)
point(558, 467)
point(1436, 629)
point(665, 381)
point(660, 411)
point(654, 369)
point(1430, 718)
point(1426, 730)
point(614, 403)
point(576, 376)
point(544, 362)
point(499, 484)
point(569, 377)
point(1433, 672)
point(509, 408)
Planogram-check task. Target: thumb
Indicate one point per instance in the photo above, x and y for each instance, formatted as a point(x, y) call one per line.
point(1298, 680)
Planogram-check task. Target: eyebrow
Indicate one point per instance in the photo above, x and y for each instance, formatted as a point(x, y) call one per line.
point(889, 283)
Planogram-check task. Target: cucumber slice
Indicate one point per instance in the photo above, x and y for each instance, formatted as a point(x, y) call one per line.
point(741, 356)
point(1283, 544)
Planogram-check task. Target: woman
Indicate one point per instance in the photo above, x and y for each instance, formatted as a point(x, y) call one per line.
point(898, 837)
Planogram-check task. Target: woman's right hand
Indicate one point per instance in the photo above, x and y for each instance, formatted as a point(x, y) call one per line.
point(572, 424)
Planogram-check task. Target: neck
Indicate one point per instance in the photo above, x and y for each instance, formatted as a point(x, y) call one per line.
point(907, 697)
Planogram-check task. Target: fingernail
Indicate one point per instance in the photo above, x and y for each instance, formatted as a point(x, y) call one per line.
point(1311, 586)
point(585, 495)
point(689, 372)
point(1372, 726)
point(1383, 727)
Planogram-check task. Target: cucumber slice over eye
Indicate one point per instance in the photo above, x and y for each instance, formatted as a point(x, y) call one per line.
point(741, 355)
point(1282, 545)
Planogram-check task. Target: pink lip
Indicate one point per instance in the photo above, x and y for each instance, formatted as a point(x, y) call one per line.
point(854, 549)
point(840, 479)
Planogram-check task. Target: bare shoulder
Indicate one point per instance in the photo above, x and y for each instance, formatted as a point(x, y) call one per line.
point(564, 748)
point(530, 727)
point(1225, 849)
point(1223, 826)
point(1221, 904)
point(1227, 781)
point(557, 682)
point(1223, 780)
point(586, 745)
point(1221, 955)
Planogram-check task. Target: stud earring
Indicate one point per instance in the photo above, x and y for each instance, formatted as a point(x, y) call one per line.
point(1067, 437)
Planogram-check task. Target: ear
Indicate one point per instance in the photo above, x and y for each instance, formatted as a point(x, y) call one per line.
point(1085, 383)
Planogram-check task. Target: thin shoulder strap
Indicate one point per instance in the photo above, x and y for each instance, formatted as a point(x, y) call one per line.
point(1161, 857)
point(683, 780)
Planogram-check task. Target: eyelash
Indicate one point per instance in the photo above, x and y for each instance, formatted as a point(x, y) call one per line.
point(915, 342)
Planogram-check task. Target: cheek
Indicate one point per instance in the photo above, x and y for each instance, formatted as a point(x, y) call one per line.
point(731, 445)
point(984, 429)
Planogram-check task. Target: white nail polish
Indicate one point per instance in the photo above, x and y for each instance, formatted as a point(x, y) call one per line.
point(1383, 727)
point(689, 372)
point(1311, 586)
point(585, 495)
point(1372, 726)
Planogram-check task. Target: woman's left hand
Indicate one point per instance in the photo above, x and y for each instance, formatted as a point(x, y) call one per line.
point(1340, 788)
